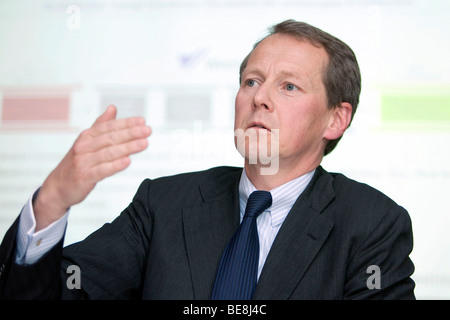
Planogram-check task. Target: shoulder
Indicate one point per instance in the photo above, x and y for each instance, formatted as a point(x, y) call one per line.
point(359, 194)
point(359, 206)
point(189, 188)
point(200, 176)
point(217, 177)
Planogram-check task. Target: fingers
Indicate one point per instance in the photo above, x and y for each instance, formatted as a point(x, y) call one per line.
point(111, 125)
point(99, 152)
point(104, 149)
point(116, 152)
point(111, 133)
point(107, 169)
point(107, 122)
point(109, 114)
point(96, 166)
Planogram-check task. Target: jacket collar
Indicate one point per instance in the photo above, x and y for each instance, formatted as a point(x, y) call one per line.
point(299, 240)
point(209, 226)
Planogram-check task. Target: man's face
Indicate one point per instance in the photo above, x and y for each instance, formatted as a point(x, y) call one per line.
point(282, 88)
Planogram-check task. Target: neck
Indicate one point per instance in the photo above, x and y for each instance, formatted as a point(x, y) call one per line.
point(278, 177)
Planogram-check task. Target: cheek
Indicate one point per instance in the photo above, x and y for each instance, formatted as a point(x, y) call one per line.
point(301, 125)
point(291, 132)
point(239, 109)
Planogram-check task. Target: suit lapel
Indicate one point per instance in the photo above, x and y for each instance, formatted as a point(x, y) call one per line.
point(300, 238)
point(208, 227)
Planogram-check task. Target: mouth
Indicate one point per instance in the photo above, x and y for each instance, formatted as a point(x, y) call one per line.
point(258, 126)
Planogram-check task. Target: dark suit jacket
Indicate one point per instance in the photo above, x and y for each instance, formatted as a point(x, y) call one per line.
point(168, 243)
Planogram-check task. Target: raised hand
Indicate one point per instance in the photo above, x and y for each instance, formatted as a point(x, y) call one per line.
point(99, 152)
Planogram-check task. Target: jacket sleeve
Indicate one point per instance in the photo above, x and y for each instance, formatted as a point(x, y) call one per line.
point(381, 267)
point(37, 281)
point(110, 262)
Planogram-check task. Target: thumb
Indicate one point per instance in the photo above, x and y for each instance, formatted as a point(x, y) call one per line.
point(109, 114)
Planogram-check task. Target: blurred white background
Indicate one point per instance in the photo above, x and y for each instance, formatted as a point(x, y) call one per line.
point(176, 63)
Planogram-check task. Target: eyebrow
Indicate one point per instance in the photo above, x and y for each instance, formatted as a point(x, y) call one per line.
point(291, 74)
point(281, 73)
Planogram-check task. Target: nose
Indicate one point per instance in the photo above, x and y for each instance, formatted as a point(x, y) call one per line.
point(262, 98)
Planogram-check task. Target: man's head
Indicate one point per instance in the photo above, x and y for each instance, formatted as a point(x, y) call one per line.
point(339, 70)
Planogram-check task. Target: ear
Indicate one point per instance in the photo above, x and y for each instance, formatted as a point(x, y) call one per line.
point(340, 118)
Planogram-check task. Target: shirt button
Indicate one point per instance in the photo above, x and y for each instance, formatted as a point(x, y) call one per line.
point(38, 242)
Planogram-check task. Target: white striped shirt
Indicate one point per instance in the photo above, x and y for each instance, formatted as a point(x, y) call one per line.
point(269, 222)
point(33, 245)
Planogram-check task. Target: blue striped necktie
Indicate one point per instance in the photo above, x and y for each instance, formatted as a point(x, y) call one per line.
point(238, 269)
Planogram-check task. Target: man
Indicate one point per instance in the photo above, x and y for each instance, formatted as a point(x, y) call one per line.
point(323, 237)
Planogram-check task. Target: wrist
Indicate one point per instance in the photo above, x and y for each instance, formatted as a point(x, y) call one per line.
point(46, 207)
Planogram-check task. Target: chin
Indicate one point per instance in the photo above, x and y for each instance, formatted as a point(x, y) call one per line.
point(259, 147)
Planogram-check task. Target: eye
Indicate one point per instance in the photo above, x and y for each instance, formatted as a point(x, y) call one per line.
point(290, 87)
point(251, 82)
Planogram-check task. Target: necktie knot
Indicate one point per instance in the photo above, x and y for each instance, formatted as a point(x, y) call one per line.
point(257, 202)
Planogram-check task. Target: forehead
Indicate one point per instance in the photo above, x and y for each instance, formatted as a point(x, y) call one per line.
point(283, 53)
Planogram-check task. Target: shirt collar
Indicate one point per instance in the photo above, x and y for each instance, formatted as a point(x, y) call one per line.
point(283, 197)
